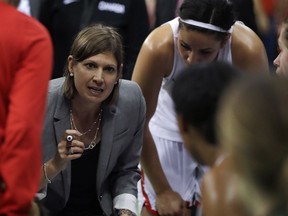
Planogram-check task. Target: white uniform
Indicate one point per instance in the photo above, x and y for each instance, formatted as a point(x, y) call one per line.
point(178, 166)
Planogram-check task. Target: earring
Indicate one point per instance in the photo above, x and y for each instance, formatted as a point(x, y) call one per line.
point(116, 82)
point(71, 74)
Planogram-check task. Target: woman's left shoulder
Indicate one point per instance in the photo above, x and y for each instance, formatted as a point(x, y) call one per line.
point(248, 51)
point(244, 37)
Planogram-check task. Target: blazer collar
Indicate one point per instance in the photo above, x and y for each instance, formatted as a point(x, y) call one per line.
point(61, 115)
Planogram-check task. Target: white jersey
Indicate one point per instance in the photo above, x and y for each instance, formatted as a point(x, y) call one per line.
point(163, 123)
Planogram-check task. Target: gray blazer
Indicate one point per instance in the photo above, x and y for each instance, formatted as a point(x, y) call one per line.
point(121, 143)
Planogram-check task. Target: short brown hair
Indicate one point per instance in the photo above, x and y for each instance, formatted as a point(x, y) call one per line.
point(91, 41)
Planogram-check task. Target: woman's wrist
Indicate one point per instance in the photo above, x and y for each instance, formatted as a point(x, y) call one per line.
point(45, 173)
point(50, 169)
point(58, 163)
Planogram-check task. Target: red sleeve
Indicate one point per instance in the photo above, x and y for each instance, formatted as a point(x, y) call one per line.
point(21, 152)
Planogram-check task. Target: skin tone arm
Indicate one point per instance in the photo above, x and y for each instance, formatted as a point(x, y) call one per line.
point(248, 51)
point(151, 66)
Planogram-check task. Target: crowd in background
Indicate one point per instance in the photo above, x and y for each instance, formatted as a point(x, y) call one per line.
point(262, 16)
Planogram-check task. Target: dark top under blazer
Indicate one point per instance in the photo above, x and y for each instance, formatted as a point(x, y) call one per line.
point(121, 143)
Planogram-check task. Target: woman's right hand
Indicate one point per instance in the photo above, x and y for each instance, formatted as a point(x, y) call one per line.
point(70, 147)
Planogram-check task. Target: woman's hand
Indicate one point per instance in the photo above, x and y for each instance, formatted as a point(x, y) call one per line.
point(70, 147)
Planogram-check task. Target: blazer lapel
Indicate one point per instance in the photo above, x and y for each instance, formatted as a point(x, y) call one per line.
point(62, 123)
point(106, 144)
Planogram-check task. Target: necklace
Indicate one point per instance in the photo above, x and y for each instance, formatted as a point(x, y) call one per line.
point(97, 121)
point(73, 125)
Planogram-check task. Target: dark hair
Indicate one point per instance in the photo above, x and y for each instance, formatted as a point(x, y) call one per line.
point(91, 41)
point(196, 93)
point(220, 13)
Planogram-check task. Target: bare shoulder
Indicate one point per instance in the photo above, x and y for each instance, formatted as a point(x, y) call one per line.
point(248, 51)
point(242, 33)
point(159, 45)
point(214, 181)
point(155, 59)
point(212, 192)
point(218, 191)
